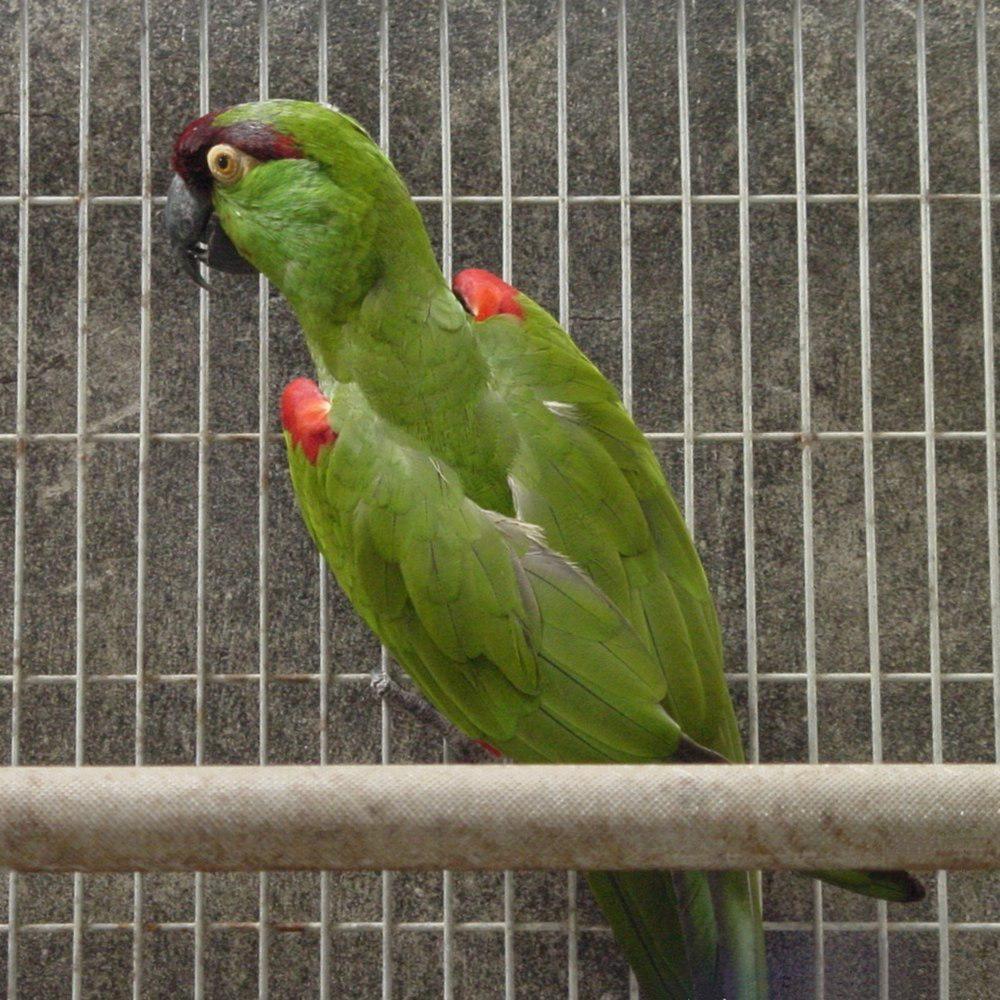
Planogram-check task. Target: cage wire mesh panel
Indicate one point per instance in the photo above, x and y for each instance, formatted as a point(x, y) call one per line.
point(771, 223)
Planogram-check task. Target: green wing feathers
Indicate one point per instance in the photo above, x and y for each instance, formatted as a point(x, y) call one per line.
point(588, 477)
point(500, 630)
point(579, 630)
point(517, 645)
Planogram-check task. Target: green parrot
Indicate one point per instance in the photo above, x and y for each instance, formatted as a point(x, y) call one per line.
point(486, 503)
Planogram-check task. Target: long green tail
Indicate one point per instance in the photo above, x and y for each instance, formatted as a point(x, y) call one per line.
point(698, 935)
point(687, 935)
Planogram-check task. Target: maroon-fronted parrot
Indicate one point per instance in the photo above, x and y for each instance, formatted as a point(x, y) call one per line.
point(486, 503)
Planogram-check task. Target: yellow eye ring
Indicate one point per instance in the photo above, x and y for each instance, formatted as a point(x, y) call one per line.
point(228, 164)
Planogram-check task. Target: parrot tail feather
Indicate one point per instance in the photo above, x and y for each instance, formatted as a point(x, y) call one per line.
point(644, 915)
point(687, 935)
point(893, 886)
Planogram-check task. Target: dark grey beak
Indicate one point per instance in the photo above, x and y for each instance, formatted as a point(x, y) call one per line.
point(197, 236)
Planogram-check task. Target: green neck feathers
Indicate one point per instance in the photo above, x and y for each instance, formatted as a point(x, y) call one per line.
point(337, 233)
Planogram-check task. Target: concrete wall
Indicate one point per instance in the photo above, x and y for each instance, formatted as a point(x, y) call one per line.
point(232, 715)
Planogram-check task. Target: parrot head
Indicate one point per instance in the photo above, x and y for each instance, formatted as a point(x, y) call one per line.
point(297, 191)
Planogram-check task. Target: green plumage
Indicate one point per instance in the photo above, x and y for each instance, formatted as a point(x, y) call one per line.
point(498, 520)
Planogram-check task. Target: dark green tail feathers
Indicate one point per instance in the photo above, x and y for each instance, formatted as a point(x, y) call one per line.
point(687, 935)
point(892, 886)
point(698, 935)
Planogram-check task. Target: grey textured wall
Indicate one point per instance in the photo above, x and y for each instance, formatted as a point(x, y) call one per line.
point(231, 711)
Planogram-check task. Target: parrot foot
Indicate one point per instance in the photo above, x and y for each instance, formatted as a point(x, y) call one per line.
point(463, 749)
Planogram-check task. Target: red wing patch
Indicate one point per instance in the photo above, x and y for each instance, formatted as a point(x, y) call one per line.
point(484, 294)
point(489, 749)
point(305, 415)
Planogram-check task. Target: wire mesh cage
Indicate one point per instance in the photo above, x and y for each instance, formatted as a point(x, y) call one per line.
point(770, 223)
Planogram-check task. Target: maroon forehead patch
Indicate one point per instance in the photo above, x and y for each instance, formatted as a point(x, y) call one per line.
point(260, 139)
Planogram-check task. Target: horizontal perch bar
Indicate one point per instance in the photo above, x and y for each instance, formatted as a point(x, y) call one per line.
point(459, 816)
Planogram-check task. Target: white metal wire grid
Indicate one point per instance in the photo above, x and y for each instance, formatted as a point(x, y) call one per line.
point(388, 926)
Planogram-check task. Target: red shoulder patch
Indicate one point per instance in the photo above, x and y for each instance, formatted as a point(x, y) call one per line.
point(485, 295)
point(304, 411)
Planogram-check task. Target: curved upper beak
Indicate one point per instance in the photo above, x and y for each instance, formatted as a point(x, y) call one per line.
point(196, 234)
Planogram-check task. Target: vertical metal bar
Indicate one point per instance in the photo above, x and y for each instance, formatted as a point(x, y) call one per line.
point(625, 207)
point(625, 223)
point(388, 905)
point(506, 194)
point(562, 157)
point(445, 81)
point(448, 912)
point(572, 943)
point(509, 974)
point(506, 253)
point(263, 421)
point(146, 249)
point(986, 237)
point(322, 58)
point(866, 388)
point(686, 264)
point(805, 384)
point(808, 549)
point(871, 565)
point(20, 465)
point(927, 313)
point(572, 959)
point(325, 895)
point(927, 317)
point(383, 77)
point(750, 556)
point(202, 531)
point(805, 376)
point(83, 333)
point(746, 361)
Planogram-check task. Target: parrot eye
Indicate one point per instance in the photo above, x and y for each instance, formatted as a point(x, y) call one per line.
point(228, 164)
